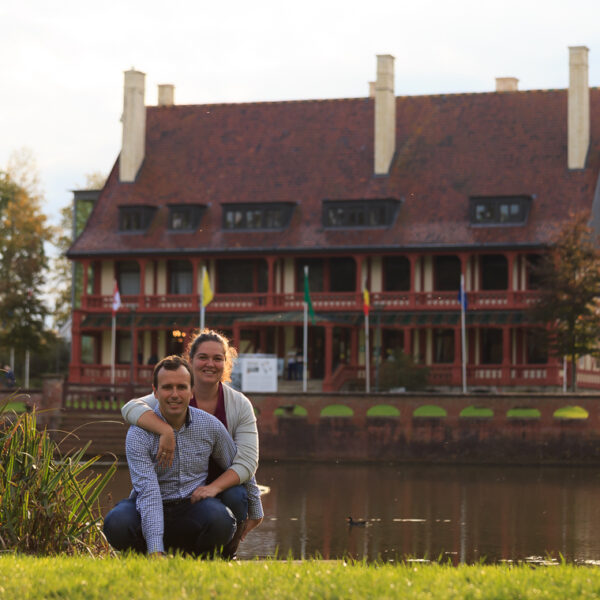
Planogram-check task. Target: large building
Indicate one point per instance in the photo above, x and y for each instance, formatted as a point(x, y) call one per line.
point(401, 194)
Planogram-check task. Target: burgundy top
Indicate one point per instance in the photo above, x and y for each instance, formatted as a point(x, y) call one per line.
point(213, 469)
point(220, 409)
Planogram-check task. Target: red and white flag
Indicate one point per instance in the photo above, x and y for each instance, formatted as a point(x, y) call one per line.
point(116, 303)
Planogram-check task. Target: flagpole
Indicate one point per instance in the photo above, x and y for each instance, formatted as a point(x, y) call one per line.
point(202, 298)
point(305, 340)
point(463, 333)
point(367, 365)
point(113, 345)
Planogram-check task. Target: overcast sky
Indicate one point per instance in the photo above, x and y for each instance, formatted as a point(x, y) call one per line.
point(62, 62)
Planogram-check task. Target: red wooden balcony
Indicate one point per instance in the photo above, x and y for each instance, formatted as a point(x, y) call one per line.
point(322, 301)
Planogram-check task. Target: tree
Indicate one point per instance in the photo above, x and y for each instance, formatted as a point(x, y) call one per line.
point(23, 261)
point(569, 281)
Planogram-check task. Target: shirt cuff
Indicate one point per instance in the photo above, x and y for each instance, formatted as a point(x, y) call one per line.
point(155, 544)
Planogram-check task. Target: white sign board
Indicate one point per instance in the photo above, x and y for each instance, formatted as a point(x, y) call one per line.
point(259, 373)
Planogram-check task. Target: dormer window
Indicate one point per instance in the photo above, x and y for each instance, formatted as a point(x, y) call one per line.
point(349, 214)
point(185, 217)
point(135, 218)
point(272, 215)
point(499, 210)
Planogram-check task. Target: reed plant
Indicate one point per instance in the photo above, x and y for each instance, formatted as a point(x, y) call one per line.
point(48, 501)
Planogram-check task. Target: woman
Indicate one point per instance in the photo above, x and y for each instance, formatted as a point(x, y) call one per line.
point(211, 357)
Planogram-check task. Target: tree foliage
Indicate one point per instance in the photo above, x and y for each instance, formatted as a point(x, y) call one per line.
point(569, 279)
point(23, 261)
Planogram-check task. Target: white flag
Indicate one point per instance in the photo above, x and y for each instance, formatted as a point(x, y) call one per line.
point(116, 303)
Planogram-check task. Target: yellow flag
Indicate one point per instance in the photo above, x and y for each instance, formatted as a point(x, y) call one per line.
point(207, 293)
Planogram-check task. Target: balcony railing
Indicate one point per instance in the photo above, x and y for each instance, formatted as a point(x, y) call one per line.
point(322, 301)
point(499, 376)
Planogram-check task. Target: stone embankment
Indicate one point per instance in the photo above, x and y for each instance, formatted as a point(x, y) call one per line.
point(514, 428)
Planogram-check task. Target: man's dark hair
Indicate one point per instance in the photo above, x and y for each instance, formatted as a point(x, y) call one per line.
point(172, 363)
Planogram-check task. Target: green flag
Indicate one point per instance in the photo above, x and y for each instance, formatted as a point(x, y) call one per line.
point(307, 299)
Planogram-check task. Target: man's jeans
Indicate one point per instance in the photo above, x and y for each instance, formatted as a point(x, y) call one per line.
point(200, 528)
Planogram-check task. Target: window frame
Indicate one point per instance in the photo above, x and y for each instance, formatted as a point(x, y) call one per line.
point(358, 214)
point(195, 214)
point(256, 216)
point(143, 212)
point(495, 206)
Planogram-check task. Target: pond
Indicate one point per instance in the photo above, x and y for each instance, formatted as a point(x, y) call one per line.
point(457, 513)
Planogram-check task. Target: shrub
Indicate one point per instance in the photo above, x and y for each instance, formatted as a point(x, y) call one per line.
point(48, 502)
point(402, 371)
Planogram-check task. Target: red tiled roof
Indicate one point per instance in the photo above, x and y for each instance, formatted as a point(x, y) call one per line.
point(448, 148)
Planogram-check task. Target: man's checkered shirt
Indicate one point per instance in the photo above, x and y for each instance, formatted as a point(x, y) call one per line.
point(199, 438)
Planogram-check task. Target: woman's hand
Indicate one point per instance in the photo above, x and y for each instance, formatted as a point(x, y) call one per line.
point(204, 491)
point(249, 525)
point(166, 448)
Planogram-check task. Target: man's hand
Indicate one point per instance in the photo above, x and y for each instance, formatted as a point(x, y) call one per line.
point(249, 525)
point(204, 491)
point(166, 448)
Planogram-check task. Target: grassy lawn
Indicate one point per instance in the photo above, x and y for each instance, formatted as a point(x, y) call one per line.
point(138, 577)
point(16, 406)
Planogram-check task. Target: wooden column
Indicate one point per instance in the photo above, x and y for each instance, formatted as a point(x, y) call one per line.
point(142, 293)
point(195, 287)
point(270, 281)
point(412, 289)
point(75, 365)
point(86, 269)
point(506, 361)
point(354, 346)
point(328, 350)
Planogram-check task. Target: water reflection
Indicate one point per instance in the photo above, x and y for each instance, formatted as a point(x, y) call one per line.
point(460, 513)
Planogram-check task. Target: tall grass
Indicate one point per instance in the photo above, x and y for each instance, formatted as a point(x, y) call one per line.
point(48, 501)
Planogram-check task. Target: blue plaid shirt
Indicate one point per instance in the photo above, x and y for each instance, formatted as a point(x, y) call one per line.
point(200, 437)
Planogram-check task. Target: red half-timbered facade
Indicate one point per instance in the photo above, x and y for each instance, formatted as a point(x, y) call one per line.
point(476, 185)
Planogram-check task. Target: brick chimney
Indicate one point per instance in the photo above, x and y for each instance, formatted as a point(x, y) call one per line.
point(579, 108)
point(166, 94)
point(134, 126)
point(507, 84)
point(385, 114)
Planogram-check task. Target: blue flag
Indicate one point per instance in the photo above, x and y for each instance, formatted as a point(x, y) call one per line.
point(462, 297)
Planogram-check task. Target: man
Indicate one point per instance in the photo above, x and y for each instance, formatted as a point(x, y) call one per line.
point(169, 517)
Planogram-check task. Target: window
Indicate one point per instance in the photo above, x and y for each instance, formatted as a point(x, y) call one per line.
point(494, 272)
point(491, 346)
point(537, 347)
point(501, 210)
point(348, 214)
point(396, 274)
point(443, 344)
point(534, 276)
point(315, 274)
point(336, 274)
point(242, 276)
point(185, 217)
point(257, 216)
point(180, 277)
point(128, 276)
point(135, 218)
point(446, 273)
point(342, 275)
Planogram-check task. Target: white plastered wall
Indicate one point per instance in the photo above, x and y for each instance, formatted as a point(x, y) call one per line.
point(107, 277)
point(161, 277)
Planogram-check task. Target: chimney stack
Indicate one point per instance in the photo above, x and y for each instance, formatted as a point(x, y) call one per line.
point(134, 126)
point(166, 94)
point(507, 84)
point(579, 108)
point(385, 114)
point(371, 89)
